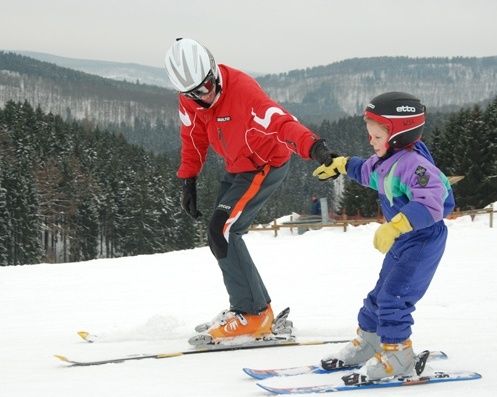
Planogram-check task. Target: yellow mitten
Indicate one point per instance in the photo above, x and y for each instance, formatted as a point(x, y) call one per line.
point(387, 233)
point(337, 166)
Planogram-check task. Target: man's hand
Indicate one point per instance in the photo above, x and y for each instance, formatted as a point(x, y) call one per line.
point(189, 197)
point(387, 233)
point(337, 167)
point(323, 155)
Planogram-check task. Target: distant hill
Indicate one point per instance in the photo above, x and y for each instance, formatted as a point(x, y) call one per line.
point(147, 114)
point(344, 88)
point(131, 72)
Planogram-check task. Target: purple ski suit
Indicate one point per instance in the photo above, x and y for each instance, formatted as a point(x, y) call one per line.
point(409, 182)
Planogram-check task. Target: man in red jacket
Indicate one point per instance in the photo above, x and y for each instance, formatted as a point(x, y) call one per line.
point(226, 109)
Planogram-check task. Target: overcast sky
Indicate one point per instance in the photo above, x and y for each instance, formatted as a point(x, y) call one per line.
point(255, 35)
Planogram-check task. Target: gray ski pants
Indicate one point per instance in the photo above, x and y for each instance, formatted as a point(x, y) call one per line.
point(240, 198)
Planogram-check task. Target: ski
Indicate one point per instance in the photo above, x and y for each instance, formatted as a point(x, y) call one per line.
point(87, 337)
point(281, 326)
point(436, 377)
point(261, 374)
point(256, 344)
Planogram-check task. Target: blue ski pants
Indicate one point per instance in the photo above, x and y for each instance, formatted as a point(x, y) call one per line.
point(407, 271)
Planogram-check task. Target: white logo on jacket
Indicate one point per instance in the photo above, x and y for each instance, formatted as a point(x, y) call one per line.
point(267, 117)
point(185, 119)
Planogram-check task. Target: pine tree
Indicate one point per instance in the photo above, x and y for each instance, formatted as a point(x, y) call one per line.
point(473, 188)
point(21, 194)
point(5, 227)
point(358, 200)
point(490, 131)
point(85, 241)
point(466, 146)
point(7, 157)
point(48, 179)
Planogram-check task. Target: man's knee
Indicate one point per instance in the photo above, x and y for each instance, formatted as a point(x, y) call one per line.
point(217, 241)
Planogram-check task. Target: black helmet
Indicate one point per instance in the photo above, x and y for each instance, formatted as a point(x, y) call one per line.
point(403, 114)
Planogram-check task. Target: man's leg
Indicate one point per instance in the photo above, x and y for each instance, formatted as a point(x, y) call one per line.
point(236, 211)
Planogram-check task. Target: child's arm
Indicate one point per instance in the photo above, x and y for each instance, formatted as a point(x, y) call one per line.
point(362, 171)
point(355, 168)
point(428, 189)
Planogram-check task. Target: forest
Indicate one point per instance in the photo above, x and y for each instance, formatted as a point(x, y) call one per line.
point(70, 191)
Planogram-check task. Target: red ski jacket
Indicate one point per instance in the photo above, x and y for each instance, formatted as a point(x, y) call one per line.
point(244, 126)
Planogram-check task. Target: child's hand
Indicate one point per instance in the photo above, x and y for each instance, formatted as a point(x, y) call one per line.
point(387, 233)
point(337, 167)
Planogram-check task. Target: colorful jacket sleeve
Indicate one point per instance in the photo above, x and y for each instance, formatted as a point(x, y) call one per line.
point(361, 171)
point(429, 194)
point(194, 143)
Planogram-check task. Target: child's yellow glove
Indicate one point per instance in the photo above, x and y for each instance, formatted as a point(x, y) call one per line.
point(387, 233)
point(337, 166)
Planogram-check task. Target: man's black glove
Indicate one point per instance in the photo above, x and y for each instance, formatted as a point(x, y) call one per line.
point(189, 197)
point(321, 153)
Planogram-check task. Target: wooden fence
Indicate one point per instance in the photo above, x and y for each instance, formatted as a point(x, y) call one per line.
point(303, 224)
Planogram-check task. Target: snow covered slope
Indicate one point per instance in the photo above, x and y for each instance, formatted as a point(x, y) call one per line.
point(150, 304)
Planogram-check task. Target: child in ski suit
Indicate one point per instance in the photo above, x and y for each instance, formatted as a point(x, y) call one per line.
point(415, 196)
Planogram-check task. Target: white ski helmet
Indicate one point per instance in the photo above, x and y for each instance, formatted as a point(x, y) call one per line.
point(188, 63)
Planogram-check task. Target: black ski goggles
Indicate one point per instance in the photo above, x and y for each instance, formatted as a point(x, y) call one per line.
point(204, 88)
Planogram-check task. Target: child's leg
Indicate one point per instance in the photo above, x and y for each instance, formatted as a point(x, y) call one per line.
point(367, 342)
point(368, 314)
point(407, 271)
point(412, 261)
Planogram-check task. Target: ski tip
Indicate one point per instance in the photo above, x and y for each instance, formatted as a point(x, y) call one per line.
point(169, 355)
point(268, 388)
point(285, 311)
point(85, 336)
point(62, 358)
point(254, 374)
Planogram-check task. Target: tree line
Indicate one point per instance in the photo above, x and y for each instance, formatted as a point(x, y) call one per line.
point(70, 191)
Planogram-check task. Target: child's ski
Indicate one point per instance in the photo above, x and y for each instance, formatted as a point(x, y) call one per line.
point(317, 369)
point(354, 382)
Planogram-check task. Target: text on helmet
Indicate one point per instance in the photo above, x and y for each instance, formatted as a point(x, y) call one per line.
point(406, 108)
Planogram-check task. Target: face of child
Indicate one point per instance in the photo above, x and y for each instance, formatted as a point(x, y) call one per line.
point(378, 137)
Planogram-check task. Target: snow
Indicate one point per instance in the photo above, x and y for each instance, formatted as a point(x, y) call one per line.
point(150, 304)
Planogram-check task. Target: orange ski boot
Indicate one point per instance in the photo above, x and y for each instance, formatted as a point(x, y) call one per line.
point(244, 324)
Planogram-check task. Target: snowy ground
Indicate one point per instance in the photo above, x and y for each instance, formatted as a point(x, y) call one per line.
point(150, 304)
